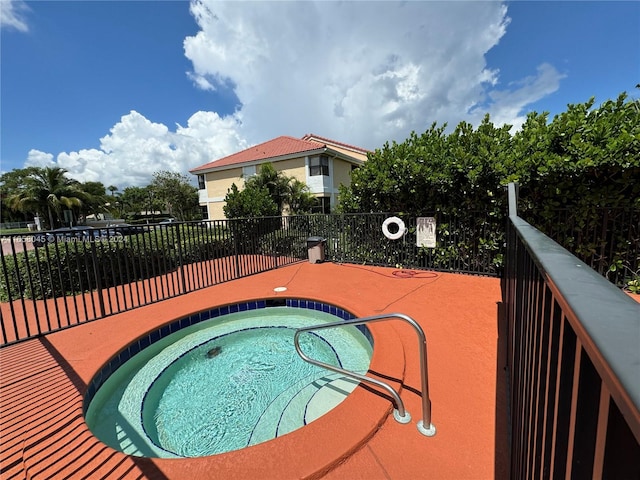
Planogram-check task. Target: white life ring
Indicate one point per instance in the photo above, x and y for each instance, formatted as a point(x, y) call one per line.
point(399, 223)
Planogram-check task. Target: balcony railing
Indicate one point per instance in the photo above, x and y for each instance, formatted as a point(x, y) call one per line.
point(574, 363)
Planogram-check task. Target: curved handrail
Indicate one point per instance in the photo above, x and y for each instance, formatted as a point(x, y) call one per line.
point(399, 404)
point(424, 426)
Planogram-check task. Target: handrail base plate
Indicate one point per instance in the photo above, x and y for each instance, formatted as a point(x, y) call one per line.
point(428, 432)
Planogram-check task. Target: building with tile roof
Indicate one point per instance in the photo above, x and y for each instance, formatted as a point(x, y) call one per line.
point(321, 163)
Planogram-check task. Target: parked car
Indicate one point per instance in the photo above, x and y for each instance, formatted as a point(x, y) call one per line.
point(188, 223)
point(107, 233)
point(127, 229)
point(166, 222)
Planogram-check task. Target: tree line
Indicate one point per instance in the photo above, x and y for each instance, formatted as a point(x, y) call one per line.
point(48, 192)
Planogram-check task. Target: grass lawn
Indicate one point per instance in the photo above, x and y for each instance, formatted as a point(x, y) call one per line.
point(7, 231)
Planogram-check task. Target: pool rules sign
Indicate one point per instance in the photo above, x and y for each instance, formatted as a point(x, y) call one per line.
point(426, 232)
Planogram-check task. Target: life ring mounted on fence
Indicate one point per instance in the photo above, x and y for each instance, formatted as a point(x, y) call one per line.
point(401, 228)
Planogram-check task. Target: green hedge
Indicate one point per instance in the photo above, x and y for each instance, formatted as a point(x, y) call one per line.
point(586, 161)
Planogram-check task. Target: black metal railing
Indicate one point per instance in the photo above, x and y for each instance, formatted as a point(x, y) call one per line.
point(54, 280)
point(573, 356)
point(470, 243)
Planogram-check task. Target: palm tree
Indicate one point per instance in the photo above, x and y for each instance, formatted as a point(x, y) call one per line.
point(277, 183)
point(287, 192)
point(94, 198)
point(46, 191)
point(300, 199)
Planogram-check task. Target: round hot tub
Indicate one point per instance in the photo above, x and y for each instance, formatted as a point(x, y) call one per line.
point(224, 379)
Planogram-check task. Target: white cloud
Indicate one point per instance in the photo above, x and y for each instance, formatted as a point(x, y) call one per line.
point(36, 158)
point(507, 106)
point(360, 72)
point(135, 148)
point(11, 15)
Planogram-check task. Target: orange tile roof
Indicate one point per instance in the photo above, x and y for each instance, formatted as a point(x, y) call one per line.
point(278, 147)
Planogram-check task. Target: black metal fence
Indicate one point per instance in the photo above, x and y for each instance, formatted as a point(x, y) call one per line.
point(472, 243)
point(607, 239)
point(573, 355)
point(50, 281)
point(54, 280)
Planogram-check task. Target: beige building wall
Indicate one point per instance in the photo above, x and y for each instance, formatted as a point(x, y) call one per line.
point(218, 183)
point(341, 173)
point(216, 211)
point(294, 167)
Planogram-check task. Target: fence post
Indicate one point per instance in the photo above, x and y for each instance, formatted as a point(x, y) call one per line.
point(275, 248)
point(180, 258)
point(98, 278)
point(234, 230)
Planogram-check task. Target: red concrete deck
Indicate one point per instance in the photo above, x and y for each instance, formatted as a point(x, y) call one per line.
point(42, 382)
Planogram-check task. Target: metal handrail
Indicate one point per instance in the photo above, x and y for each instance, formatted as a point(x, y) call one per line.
point(400, 414)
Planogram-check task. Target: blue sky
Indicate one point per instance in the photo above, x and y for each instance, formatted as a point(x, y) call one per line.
point(113, 91)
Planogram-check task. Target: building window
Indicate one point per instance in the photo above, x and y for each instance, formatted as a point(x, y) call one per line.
point(204, 212)
point(323, 205)
point(249, 171)
point(319, 165)
point(201, 185)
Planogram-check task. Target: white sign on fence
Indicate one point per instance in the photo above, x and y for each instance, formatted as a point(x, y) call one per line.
point(426, 232)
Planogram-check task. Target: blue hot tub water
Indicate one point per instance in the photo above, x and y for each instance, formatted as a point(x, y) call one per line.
point(223, 384)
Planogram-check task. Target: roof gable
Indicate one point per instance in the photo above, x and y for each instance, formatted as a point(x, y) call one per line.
point(328, 142)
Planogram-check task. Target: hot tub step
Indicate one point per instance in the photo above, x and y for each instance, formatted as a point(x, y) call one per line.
point(270, 424)
point(314, 401)
point(328, 397)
